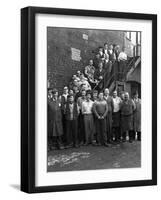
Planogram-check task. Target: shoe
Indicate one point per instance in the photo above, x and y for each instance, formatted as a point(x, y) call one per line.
point(76, 146)
point(111, 142)
point(105, 144)
point(81, 144)
point(61, 147)
point(68, 146)
point(130, 141)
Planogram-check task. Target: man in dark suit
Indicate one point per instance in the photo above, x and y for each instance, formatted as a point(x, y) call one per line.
point(49, 117)
point(71, 113)
point(63, 100)
point(116, 63)
point(99, 76)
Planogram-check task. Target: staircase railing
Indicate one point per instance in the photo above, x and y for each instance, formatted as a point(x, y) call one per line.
point(116, 74)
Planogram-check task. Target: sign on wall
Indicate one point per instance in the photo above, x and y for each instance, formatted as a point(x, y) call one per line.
point(85, 36)
point(75, 54)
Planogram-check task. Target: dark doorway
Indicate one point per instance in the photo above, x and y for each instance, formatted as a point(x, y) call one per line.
point(136, 87)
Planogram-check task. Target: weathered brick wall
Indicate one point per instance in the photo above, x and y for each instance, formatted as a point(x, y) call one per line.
point(60, 64)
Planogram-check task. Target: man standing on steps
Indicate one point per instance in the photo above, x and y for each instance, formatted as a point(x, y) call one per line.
point(84, 84)
point(122, 59)
point(105, 48)
point(100, 110)
point(89, 73)
point(127, 108)
point(96, 60)
point(99, 76)
point(116, 64)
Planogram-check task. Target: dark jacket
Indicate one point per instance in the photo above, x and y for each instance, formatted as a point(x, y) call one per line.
point(110, 104)
point(127, 108)
point(63, 103)
point(117, 54)
point(55, 117)
point(75, 112)
point(112, 56)
point(98, 74)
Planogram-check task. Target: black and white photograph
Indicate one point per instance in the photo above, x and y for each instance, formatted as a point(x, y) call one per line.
point(89, 86)
point(93, 99)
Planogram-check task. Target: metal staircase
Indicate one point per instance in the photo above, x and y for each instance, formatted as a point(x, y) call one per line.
point(112, 83)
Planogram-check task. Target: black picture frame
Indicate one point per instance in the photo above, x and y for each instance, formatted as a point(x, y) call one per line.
point(28, 98)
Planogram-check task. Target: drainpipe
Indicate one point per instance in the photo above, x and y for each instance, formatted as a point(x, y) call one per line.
point(124, 39)
point(136, 43)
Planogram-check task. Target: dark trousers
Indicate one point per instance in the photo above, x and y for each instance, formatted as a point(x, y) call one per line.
point(64, 138)
point(131, 135)
point(116, 133)
point(81, 129)
point(139, 135)
point(115, 70)
point(122, 69)
point(109, 127)
point(101, 131)
point(56, 141)
point(49, 142)
point(134, 135)
point(89, 128)
point(72, 136)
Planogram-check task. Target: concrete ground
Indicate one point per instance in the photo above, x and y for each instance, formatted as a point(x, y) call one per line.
point(124, 155)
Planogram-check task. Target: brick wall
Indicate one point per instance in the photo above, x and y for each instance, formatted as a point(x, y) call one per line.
point(60, 64)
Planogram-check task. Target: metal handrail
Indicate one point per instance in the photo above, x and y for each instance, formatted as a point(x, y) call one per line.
point(115, 74)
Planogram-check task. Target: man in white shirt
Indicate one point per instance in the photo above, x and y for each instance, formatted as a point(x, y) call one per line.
point(87, 108)
point(122, 59)
point(122, 56)
point(89, 70)
point(116, 116)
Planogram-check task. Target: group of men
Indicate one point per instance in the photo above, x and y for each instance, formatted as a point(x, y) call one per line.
point(86, 114)
point(92, 117)
point(108, 61)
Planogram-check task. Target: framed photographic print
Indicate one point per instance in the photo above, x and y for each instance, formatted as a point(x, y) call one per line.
point(88, 99)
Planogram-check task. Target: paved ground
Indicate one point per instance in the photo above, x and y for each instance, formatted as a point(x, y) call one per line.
point(124, 155)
